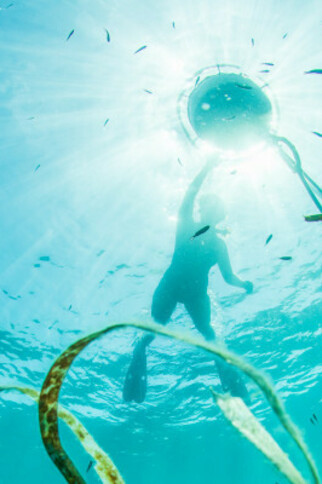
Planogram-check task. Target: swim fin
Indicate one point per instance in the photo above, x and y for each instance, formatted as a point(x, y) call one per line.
point(232, 381)
point(135, 381)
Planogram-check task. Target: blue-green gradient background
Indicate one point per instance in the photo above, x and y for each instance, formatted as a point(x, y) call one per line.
point(103, 205)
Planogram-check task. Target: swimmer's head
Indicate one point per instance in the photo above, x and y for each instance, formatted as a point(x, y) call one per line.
point(211, 209)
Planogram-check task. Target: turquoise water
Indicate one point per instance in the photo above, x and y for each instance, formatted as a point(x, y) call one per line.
point(88, 218)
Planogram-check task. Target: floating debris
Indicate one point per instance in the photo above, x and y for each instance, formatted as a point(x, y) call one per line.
point(30, 118)
point(106, 121)
point(313, 218)
point(233, 172)
point(317, 134)
point(314, 71)
point(197, 80)
point(70, 34)
point(269, 238)
point(108, 37)
point(286, 257)
point(253, 42)
point(140, 49)
point(200, 232)
point(37, 168)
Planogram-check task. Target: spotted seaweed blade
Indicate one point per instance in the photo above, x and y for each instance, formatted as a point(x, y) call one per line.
point(48, 409)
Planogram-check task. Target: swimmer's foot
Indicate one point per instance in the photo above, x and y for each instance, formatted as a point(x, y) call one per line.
point(135, 381)
point(232, 381)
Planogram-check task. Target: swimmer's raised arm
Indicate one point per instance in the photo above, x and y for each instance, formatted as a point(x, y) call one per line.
point(227, 272)
point(186, 209)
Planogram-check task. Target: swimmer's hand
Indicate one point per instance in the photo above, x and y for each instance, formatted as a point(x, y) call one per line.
point(248, 286)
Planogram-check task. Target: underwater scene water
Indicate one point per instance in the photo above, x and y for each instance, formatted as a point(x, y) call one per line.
point(99, 146)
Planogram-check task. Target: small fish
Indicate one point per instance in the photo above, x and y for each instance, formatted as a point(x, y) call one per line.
point(70, 34)
point(108, 37)
point(317, 134)
point(45, 258)
point(253, 42)
point(315, 417)
point(4, 291)
point(101, 252)
point(89, 466)
point(269, 238)
point(312, 421)
point(264, 71)
point(8, 6)
point(233, 172)
point(229, 119)
point(106, 121)
point(36, 321)
point(314, 71)
point(174, 25)
point(243, 86)
point(70, 307)
point(122, 266)
point(285, 35)
point(37, 168)
point(286, 257)
point(30, 118)
point(140, 49)
point(37, 265)
point(313, 218)
point(197, 80)
point(267, 63)
point(179, 161)
point(147, 90)
point(201, 231)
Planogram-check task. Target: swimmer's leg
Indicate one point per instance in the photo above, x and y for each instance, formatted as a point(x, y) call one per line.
point(163, 305)
point(199, 310)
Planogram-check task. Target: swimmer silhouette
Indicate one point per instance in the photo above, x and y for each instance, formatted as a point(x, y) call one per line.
point(186, 282)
